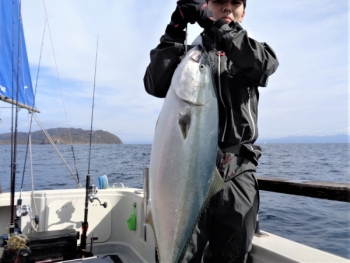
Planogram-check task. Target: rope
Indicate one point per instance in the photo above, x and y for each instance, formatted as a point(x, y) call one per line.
point(59, 84)
point(30, 121)
point(17, 242)
point(31, 168)
point(54, 146)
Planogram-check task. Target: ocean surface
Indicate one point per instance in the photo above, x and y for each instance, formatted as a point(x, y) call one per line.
point(318, 223)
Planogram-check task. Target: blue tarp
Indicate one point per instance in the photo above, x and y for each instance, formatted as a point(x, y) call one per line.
point(14, 67)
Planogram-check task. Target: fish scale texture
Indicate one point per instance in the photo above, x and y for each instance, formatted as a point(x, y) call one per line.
point(183, 155)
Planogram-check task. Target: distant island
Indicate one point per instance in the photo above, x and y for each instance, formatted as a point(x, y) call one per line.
point(340, 138)
point(61, 136)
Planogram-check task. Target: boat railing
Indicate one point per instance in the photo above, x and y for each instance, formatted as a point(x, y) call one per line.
point(316, 189)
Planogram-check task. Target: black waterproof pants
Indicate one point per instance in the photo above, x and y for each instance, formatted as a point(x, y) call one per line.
point(226, 228)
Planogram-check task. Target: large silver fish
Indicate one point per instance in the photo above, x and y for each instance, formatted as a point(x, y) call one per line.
point(183, 175)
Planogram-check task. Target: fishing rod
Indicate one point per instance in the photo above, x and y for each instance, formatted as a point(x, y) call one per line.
point(14, 126)
point(85, 224)
point(92, 111)
point(11, 226)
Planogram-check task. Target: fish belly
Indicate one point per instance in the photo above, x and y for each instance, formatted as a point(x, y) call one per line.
point(182, 167)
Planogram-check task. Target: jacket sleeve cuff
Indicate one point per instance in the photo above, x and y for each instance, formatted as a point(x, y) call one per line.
point(223, 26)
point(176, 32)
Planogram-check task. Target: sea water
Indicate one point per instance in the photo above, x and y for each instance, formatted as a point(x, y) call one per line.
point(322, 224)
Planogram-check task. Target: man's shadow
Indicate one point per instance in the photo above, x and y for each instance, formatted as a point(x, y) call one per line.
point(65, 214)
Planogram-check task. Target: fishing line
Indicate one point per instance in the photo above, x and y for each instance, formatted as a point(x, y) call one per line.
point(30, 122)
point(93, 106)
point(31, 119)
point(186, 39)
point(34, 227)
point(59, 84)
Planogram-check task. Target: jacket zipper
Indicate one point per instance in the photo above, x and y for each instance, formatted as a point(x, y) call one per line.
point(220, 53)
point(250, 113)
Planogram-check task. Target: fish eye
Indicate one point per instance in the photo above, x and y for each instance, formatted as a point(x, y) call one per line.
point(201, 66)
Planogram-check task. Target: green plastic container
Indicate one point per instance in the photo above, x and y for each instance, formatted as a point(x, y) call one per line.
point(131, 222)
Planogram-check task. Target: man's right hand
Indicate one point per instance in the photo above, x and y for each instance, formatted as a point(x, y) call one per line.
point(188, 11)
point(183, 14)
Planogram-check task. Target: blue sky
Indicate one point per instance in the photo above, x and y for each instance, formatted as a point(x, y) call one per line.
point(308, 95)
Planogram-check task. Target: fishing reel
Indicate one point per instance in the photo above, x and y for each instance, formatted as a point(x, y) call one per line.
point(92, 195)
point(24, 210)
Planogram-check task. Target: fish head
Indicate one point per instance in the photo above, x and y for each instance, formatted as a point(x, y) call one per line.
point(193, 77)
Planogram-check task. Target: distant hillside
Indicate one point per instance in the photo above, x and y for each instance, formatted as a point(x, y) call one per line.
point(340, 138)
point(61, 136)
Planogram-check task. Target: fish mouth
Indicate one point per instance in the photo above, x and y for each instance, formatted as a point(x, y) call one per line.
point(196, 56)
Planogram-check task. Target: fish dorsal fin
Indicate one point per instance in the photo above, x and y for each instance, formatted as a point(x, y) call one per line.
point(217, 184)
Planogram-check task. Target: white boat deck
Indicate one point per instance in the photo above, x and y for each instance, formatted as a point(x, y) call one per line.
point(64, 209)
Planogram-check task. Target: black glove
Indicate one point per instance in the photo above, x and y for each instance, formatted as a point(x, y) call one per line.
point(204, 17)
point(219, 30)
point(191, 11)
point(183, 14)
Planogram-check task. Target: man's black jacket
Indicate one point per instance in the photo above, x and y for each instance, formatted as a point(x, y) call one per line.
point(245, 64)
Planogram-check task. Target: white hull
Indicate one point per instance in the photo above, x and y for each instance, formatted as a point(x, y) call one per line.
point(64, 209)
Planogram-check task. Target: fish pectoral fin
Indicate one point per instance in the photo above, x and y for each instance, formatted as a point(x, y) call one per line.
point(217, 184)
point(184, 120)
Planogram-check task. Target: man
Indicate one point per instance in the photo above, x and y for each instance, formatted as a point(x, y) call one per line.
point(240, 65)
